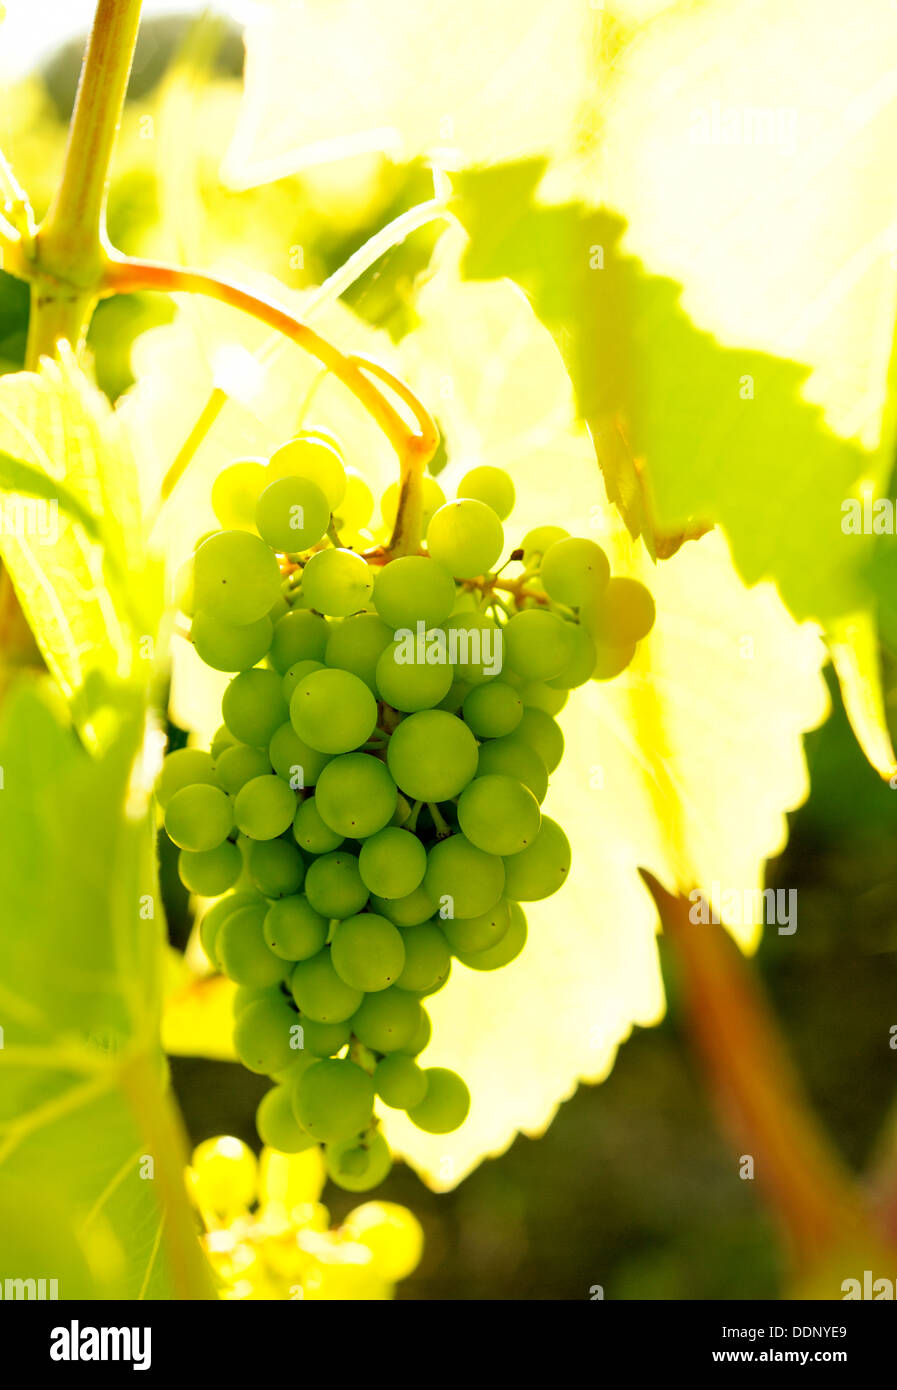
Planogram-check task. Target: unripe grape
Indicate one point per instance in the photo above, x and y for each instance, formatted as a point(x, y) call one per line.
point(292, 928)
point(235, 492)
point(573, 568)
point(292, 514)
point(446, 1104)
point(314, 456)
point(466, 538)
point(337, 582)
point(223, 1174)
point(334, 1100)
point(277, 1124)
point(236, 577)
point(492, 486)
point(199, 817)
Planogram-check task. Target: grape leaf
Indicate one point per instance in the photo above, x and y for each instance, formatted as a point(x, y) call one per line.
point(686, 764)
point(460, 79)
point(83, 1111)
point(79, 564)
point(690, 432)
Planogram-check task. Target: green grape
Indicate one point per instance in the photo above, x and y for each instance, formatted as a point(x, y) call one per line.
point(414, 589)
point(319, 991)
point(392, 863)
point(293, 929)
point(402, 811)
point(468, 934)
point(300, 1064)
point(446, 1104)
point(610, 661)
point(367, 952)
point(499, 814)
point(572, 568)
point(243, 951)
point(355, 645)
point(538, 644)
point(581, 664)
point(503, 951)
point(229, 646)
point(536, 542)
point(333, 711)
point(408, 683)
point(357, 507)
point(236, 577)
point(399, 1082)
point(298, 636)
point(324, 1039)
point(263, 1034)
point(224, 1172)
point(510, 757)
point(292, 514)
point(337, 582)
point(184, 594)
point(293, 760)
point(199, 817)
point(464, 878)
point(212, 920)
point(311, 455)
point(432, 498)
point(294, 675)
point(264, 808)
point(427, 959)
point(253, 707)
point(333, 886)
point(458, 692)
point(420, 1038)
point(184, 768)
point(275, 867)
point(334, 1100)
point(387, 1020)
point(409, 911)
point(492, 486)
point(492, 710)
point(466, 538)
point(277, 1126)
point(359, 1167)
point(311, 833)
point(541, 695)
point(542, 868)
point(244, 995)
point(238, 764)
point(234, 493)
point(221, 739)
point(623, 614)
point(540, 732)
point(432, 756)
point(279, 609)
point(392, 1234)
point(355, 795)
point(210, 872)
point(478, 645)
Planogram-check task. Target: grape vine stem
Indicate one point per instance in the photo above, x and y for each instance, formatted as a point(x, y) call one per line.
point(127, 275)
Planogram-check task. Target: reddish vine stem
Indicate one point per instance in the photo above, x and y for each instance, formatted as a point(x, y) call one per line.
point(125, 275)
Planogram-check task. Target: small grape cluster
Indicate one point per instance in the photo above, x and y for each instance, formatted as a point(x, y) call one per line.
point(268, 1236)
point(371, 806)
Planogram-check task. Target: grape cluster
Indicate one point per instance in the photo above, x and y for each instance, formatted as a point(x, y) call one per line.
point(268, 1236)
point(370, 808)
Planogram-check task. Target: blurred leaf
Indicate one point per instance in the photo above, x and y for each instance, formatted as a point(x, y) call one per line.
point(458, 79)
point(197, 1020)
point(83, 1114)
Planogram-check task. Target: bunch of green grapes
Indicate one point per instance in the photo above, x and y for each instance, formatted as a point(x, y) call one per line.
point(268, 1236)
point(371, 808)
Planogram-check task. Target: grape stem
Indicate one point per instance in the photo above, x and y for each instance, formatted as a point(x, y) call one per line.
point(414, 448)
point(362, 1056)
point(443, 829)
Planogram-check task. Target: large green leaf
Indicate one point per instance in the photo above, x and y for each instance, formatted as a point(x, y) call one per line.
point(78, 561)
point(689, 432)
point(83, 1110)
